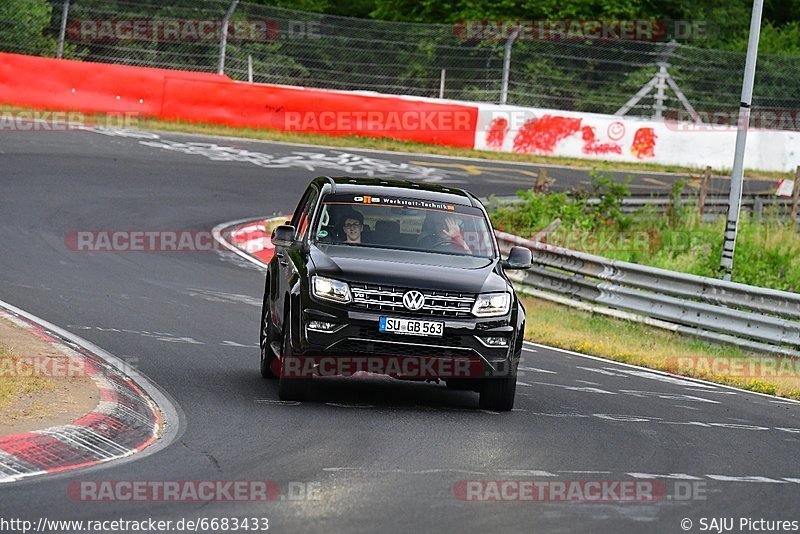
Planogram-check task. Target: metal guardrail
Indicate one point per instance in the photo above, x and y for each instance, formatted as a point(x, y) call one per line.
point(757, 204)
point(756, 318)
point(764, 320)
point(714, 205)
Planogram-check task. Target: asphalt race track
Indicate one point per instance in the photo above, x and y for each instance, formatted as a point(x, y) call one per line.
point(385, 454)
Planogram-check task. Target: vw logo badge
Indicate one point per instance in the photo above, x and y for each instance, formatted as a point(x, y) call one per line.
point(413, 300)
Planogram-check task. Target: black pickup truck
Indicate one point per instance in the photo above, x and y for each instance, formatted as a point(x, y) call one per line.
point(395, 278)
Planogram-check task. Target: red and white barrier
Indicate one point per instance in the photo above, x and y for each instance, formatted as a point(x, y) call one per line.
point(612, 138)
point(208, 98)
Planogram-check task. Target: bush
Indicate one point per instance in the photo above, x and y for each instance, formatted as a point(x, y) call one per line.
point(538, 210)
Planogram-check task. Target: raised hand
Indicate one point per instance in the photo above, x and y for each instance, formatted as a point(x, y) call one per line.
point(452, 229)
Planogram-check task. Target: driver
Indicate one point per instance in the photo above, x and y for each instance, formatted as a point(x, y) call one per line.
point(444, 233)
point(352, 224)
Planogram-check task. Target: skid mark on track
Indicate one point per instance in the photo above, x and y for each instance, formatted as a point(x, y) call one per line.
point(226, 343)
point(275, 402)
point(600, 371)
point(666, 396)
point(667, 379)
point(503, 473)
point(159, 336)
point(221, 296)
point(348, 405)
point(313, 161)
point(581, 389)
point(536, 370)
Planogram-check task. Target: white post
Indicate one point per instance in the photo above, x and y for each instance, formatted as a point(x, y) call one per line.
point(735, 197)
point(250, 68)
point(661, 86)
point(223, 38)
point(441, 84)
point(507, 65)
point(63, 33)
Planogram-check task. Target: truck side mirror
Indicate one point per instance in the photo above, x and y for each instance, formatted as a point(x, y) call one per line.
point(283, 235)
point(518, 258)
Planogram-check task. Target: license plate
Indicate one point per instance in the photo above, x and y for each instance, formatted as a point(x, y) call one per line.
point(395, 325)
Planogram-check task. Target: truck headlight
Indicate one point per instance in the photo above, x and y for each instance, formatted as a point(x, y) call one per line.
point(329, 289)
point(491, 304)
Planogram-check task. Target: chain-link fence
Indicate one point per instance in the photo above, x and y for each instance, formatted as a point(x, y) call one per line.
point(280, 46)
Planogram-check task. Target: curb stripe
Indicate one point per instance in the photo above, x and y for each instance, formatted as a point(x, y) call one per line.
point(251, 238)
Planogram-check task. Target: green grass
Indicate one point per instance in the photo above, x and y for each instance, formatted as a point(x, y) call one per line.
point(13, 386)
point(767, 252)
point(646, 346)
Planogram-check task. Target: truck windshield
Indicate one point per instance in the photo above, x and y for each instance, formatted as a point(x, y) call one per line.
point(404, 223)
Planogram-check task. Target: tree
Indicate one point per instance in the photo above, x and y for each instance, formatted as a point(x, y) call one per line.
point(22, 27)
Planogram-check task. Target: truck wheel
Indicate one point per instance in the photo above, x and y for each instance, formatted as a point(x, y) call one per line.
point(498, 394)
point(291, 388)
point(270, 365)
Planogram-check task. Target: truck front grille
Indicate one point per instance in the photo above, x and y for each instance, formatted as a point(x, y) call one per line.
point(390, 299)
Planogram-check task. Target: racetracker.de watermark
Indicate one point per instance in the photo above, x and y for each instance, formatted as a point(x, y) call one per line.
point(567, 491)
point(602, 241)
point(726, 120)
point(414, 367)
point(61, 121)
point(142, 241)
point(55, 367)
point(581, 30)
point(192, 491)
point(756, 368)
point(346, 121)
point(189, 30)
